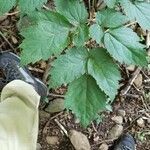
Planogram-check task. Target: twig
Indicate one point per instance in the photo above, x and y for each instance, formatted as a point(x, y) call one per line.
point(11, 14)
point(133, 122)
point(36, 70)
point(7, 41)
point(138, 90)
point(89, 4)
point(56, 95)
point(147, 80)
point(132, 96)
point(48, 122)
point(147, 115)
point(105, 141)
point(144, 103)
point(127, 72)
point(93, 5)
point(148, 39)
point(90, 10)
point(45, 7)
point(94, 127)
point(46, 73)
point(147, 87)
point(127, 25)
point(2, 44)
point(130, 24)
point(131, 81)
point(100, 5)
point(62, 127)
point(146, 76)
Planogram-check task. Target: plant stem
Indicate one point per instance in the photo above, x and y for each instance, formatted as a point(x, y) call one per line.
point(93, 6)
point(89, 3)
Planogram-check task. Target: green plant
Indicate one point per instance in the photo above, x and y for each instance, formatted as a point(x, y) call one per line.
point(142, 136)
point(92, 73)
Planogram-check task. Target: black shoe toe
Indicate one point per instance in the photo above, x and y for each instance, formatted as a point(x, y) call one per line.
point(126, 142)
point(10, 65)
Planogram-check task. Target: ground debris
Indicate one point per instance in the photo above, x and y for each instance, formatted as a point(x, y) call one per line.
point(103, 146)
point(52, 140)
point(131, 105)
point(3, 17)
point(140, 122)
point(115, 132)
point(131, 68)
point(122, 112)
point(138, 81)
point(79, 140)
point(117, 119)
point(56, 105)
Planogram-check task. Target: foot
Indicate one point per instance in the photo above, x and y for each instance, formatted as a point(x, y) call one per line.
point(126, 142)
point(10, 66)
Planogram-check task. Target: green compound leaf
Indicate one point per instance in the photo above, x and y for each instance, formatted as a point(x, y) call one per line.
point(104, 71)
point(42, 40)
point(139, 11)
point(73, 10)
point(96, 33)
point(110, 18)
point(85, 99)
point(69, 66)
point(6, 5)
point(81, 35)
point(110, 3)
point(50, 16)
point(28, 6)
point(123, 44)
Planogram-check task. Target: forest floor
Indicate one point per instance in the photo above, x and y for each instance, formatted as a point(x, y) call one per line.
point(130, 110)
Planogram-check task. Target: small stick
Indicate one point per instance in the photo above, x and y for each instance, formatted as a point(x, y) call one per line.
point(130, 24)
point(147, 87)
point(132, 96)
point(61, 127)
point(131, 124)
point(131, 81)
point(94, 127)
point(36, 70)
point(127, 25)
point(11, 14)
point(2, 45)
point(138, 90)
point(56, 95)
point(147, 80)
point(7, 41)
point(148, 39)
point(146, 76)
point(45, 7)
point(100, 5)
point(46, 73)
point(105, 141)
point(47, 123)
point(144, 103)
